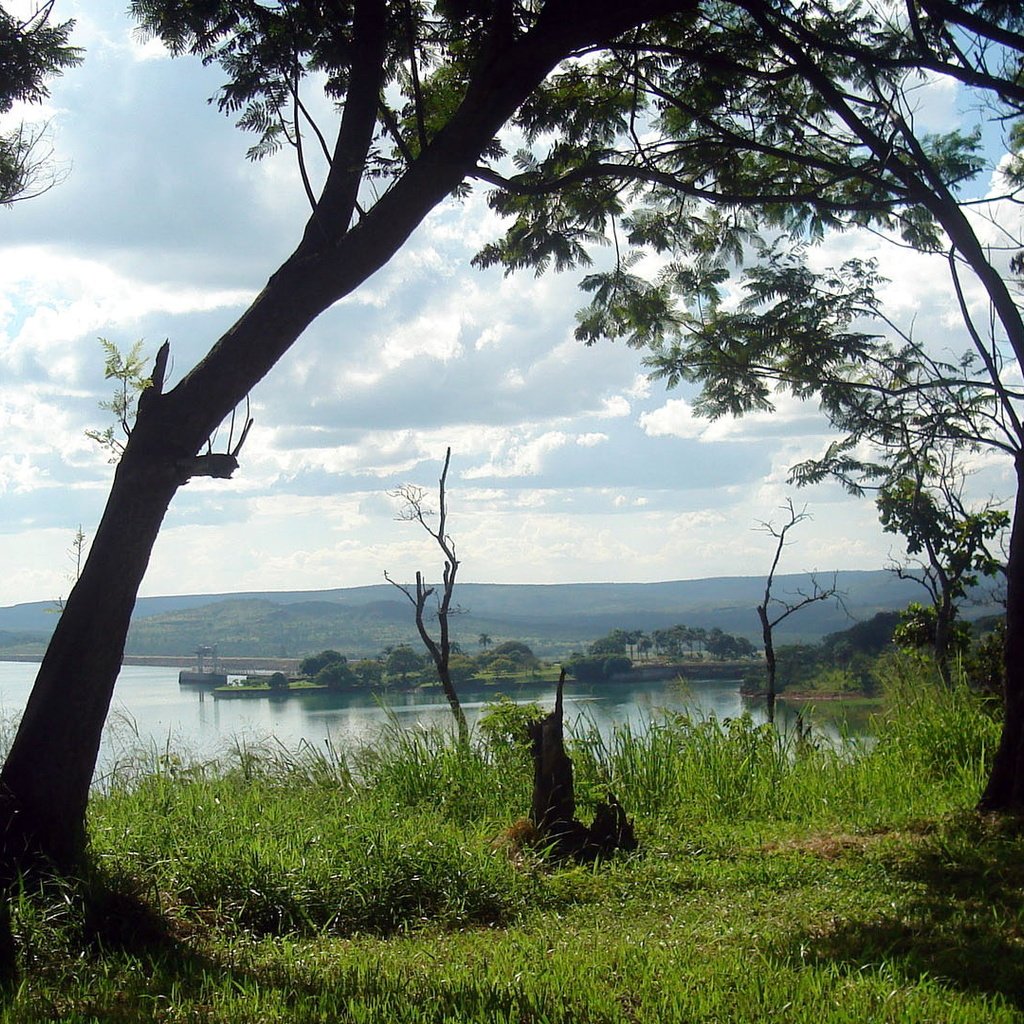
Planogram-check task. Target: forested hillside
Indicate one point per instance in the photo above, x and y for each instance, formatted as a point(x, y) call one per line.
point(553, 619)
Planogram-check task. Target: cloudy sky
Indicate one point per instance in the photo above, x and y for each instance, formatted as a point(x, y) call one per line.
point(567, 465)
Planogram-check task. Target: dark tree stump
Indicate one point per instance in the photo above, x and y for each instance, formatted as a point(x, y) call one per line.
point(553, 809)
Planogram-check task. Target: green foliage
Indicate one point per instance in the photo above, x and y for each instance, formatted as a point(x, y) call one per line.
point(870, 637)
point(613, 643)
point(949, 534)
point(128, 369)
point(825, 668)
point(278, 681)
point(942, 731)
point(268, 53)
point(401, 661)
point(514, 655)
point(31, 51)
point(616, 665)
point(368, 671)
point(984, 664)
point(504, 728)
point(462, 668)
point(336, 674)
point(807, 884)
point(916, 629)
point(311, 665)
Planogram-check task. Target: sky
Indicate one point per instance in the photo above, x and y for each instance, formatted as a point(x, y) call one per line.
point(568, 464)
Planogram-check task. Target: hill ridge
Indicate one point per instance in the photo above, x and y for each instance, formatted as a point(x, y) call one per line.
point(553, 617)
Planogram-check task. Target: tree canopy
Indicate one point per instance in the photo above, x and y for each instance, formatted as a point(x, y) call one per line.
point(32, 50)
point(745, 137)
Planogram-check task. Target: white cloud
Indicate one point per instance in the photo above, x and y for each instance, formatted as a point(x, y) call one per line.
point(675, 418)
point(614, 407)
point(640, 388)
point(568, 464)
point(50, 298)
point(434, 335)
point(520, 458)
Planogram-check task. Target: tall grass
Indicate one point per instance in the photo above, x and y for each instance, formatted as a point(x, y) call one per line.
point(317, 884)
point(388, 836)
point(931, 747)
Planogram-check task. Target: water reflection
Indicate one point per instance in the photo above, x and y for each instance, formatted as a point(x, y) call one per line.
point(151, 711)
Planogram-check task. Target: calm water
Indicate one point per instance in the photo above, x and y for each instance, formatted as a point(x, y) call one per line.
point(150, 710)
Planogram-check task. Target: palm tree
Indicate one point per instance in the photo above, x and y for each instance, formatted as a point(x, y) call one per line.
point(484, 640)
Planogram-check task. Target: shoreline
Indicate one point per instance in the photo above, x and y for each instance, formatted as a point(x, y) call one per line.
point(805, 696)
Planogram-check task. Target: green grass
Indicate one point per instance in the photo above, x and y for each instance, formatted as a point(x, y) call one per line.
point(776, 880)
point(262, 689)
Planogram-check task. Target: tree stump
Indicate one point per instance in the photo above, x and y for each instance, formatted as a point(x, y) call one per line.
point(553, 809)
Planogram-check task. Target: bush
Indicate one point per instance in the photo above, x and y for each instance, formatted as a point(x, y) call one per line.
point(511, 652)
point(596, 668)
point(461, 669)
point(616, 665)
point(315, 662)
point(401, 661)
point(504, 726)
point(337, 675)
point(368, 672)
point(503, 667)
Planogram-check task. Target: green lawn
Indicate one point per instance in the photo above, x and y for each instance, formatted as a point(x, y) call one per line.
point(776, 881)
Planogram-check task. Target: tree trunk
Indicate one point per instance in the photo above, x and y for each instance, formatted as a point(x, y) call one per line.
point(1005, 789)
point(769, 658)
point(448, 687)
point(944, 614)
point(45, 780)
point(553, 809)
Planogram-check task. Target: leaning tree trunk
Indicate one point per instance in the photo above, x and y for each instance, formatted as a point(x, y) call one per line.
point(46, 777)
point(1005, 789)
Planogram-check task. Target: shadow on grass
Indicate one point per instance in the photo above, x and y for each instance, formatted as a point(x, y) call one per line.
point(959, 919)
point(116, 957)
point(105, 948)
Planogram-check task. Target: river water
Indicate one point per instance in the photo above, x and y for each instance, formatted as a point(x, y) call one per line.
point(150, 712)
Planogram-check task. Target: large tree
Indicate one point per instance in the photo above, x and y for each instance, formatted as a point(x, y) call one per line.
point(422, 92)
point(755, 132)
point(32, 50)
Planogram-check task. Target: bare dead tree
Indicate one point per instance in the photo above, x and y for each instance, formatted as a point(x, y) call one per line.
point(785, 608)
point(440, 650)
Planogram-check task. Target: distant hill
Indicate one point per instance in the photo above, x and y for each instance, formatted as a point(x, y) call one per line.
point(554, 618)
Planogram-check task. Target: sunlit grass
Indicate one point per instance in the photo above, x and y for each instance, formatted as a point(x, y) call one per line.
point(778, 879)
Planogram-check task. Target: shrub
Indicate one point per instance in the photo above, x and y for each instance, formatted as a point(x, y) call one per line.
point(337, 675)
point(504, 726)
point(315, 662)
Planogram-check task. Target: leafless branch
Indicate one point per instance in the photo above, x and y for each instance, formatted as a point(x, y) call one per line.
point(440, 650)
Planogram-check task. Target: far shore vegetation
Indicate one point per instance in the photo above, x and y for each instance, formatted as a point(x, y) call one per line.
point(843, 665)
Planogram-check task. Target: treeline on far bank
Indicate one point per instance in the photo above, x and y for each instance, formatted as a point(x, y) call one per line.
point(403, 666)
point(612, 655)
point(852, 660)
point(846, 661)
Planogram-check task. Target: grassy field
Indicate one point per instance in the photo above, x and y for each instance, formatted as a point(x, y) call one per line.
point(776, 880)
